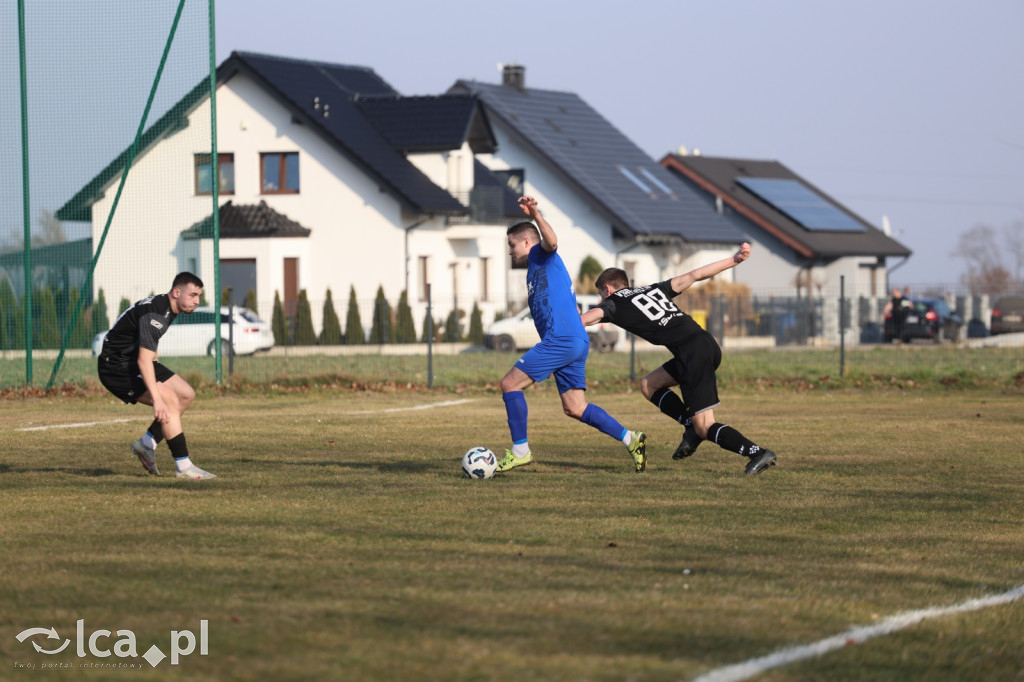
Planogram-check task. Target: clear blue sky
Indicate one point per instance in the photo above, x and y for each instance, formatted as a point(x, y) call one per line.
point(913, 109)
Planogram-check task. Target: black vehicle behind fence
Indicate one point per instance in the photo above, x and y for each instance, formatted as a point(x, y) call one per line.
point(1008, 315)
point(923, 318)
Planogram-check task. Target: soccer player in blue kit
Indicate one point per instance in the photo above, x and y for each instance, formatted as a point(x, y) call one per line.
point(563, 346)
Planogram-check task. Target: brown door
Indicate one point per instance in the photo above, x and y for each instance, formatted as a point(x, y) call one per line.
point(291, 288)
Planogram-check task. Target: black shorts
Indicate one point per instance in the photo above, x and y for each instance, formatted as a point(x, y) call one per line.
point(693, 367)
point(123, 379)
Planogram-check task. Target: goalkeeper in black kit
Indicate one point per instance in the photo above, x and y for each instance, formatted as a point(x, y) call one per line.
point(648, 312)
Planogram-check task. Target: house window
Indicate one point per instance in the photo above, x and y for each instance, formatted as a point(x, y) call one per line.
point(423, 276)
point(279, 173)
point(484, 276)
point(514, 180)
point(204, 173)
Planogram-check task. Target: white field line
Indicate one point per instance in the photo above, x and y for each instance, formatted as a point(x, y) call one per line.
point(756, 666)
point(445, 403)
point(78, 425)
point(427, 406)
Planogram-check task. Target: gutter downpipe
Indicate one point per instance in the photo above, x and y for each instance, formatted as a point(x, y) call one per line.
point(888, 271)
point(409, 229)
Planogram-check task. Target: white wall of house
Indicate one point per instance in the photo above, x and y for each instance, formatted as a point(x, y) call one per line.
point(452, 170)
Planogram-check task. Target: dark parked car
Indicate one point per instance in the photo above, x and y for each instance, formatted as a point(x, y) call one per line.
point(923, 318)
point(1008, 315)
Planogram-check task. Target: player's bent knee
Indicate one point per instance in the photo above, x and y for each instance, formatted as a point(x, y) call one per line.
point(645, 388)
point(515, 381)
point(571, 411)
point(702, 422)
point(171, 399)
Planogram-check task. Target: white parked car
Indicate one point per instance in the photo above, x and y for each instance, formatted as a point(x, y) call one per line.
point(519, 332)
point(195, 334)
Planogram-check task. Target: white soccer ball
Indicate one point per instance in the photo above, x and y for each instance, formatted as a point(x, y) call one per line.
point(479, 462)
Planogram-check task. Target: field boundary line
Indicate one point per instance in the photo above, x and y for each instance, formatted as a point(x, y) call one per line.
point(857, 635)
point(77, 425)
point(424, 406)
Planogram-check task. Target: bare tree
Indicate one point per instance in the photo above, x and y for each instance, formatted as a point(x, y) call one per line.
point(983, 248)
point(1014, 243)
point(52, 230)
point(978, 246)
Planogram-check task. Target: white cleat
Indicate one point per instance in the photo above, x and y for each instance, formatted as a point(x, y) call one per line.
point(194, 473)
point(146, 456)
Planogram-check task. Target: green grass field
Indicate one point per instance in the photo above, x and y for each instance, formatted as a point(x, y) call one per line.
point(340, 541)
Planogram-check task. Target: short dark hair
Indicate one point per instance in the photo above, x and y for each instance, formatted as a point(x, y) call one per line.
point(613, 277)
point(183, 278)
point(523, 227)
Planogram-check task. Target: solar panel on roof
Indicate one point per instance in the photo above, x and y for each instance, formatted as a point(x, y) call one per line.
point(802, 204)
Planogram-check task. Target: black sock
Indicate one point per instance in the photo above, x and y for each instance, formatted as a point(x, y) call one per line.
point(670, 404)
point(156, 430)
point(179, 449)
point(732, 440)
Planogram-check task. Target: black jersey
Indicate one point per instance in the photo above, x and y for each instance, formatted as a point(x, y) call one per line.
point(649, 312)
point(141, 325)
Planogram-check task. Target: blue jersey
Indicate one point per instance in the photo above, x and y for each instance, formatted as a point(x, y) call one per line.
point(551, 296)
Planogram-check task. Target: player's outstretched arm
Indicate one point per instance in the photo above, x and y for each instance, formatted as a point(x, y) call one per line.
point(592, 316)
point(683, 282)
point(549, 239)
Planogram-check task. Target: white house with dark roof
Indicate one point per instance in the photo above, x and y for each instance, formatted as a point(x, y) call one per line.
point(314, 194)
point(805, 240)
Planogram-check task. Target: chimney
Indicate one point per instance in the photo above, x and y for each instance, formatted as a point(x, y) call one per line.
point(513, 76)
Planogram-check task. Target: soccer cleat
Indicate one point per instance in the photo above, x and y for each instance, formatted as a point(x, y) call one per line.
point(510, 461)
point(688, 445)
point(194, 473)
point(760, 462)
point(146, 456)
point(638, 450)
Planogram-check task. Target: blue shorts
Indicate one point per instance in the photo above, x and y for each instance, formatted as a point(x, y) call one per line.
point(563, 356)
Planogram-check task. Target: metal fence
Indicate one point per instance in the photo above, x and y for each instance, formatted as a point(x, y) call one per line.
point(393, 340)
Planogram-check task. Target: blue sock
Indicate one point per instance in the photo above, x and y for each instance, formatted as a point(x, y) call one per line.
point(515, 408)
point(603, 422)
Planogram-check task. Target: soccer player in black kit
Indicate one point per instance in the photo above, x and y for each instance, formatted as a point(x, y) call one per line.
point(648, 312)
point(128, 368)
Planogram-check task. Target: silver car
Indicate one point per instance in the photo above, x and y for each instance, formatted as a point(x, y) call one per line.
point(195, 334)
